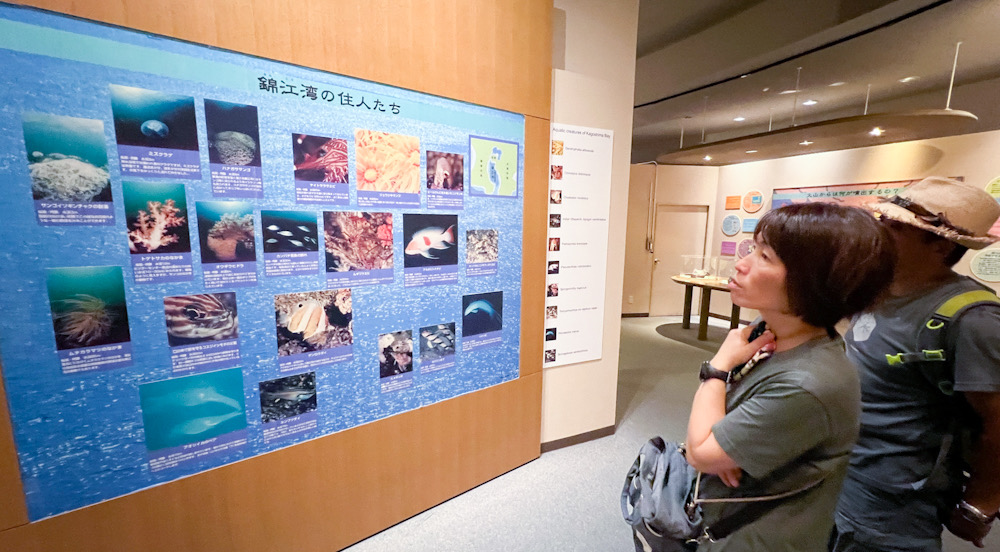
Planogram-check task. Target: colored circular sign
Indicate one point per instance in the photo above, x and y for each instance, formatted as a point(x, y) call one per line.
point(731, 225)
point(993, 188)
point(986, 265)
point(744, 248)
point(753, 201)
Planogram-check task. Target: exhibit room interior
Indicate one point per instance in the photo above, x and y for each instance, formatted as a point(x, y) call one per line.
point(399, 275)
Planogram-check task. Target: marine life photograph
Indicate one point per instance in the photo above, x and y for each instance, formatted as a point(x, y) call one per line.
point(552, 267)
point(313, 321)
point(482, 246)
point(289, 231)
point(550, 355)
point(226, 231)
point(319, 159)
point(445, 171)
point(395, 353)
point(200, 318)
point(557, 147)
point(482, 313)
point(67, 158)
point(431, 240)
point(233, 133)
point(554, 244)
point(555, 197)
point(552, 290)
point(156, 216)
point(88, 306)
point(551, 313)
point(387, 162)
point(357, 240)
point(493, 169)
point(287, 397)
point(555, 172)
point(550, 334)
point(555, 221)
point(147, 118)
point(185, 410)
point(437, 341)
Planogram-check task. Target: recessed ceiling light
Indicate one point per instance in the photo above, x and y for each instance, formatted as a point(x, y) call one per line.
point(708, 158)
point(810, 102)
point(877, 131)
point(766, 89)
point(739, 119)
point(905, 80)
point(751, 151)
point(805, 143)
point(788, 92)
point(838, 83)
point(744, 76)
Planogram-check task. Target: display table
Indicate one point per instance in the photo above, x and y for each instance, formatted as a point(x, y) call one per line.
point(706, 285)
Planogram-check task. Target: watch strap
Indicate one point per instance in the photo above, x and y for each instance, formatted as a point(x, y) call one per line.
point(708, 372)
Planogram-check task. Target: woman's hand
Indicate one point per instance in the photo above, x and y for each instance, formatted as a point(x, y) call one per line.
point(731, 477)
point(735, 350)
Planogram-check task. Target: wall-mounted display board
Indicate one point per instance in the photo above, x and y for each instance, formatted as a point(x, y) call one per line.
point(210, 256)
point(845, 194)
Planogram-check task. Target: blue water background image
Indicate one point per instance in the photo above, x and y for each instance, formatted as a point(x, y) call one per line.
point(80, 437)
point(70, 136)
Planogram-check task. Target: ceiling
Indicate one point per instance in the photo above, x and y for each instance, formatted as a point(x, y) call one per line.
point(702, 63)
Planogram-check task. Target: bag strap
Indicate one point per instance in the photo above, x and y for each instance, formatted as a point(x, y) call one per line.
point(754, 508)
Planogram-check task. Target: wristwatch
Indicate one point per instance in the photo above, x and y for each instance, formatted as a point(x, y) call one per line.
point(711, 372)
point(975, 514)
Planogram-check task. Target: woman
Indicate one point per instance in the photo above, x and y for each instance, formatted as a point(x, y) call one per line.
point(793, 418)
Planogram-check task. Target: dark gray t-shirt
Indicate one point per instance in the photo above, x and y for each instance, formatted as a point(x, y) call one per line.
point(792, 420)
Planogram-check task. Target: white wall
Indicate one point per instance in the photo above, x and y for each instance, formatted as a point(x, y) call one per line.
point(592, 85)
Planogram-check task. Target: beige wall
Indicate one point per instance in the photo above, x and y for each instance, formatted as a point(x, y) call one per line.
point(592, 85)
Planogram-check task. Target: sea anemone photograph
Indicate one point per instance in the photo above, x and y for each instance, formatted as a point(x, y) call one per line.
point(313, 321)
point(67, 158)
point(226, 231)
point(88, 306)
point(387, 162)
point(357, 240)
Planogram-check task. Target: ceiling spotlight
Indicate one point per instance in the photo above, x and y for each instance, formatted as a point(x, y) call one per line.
point(744, 76)
point(739, 119)
point(877, 131)
point(708, 158)
point(905, 80)
point(788, 92)
point(838, 83)
point(805, 143)
point(766, 89)
point(751, 151)
point(810, 102)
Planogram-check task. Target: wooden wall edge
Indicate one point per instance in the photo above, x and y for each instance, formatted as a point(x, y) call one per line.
point(13, 511)
point(533, 250)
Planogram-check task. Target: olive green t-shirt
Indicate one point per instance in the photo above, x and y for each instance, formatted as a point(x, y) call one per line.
point(792, 420)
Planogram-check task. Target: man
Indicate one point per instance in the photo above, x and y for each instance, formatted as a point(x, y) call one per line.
point(930, 383)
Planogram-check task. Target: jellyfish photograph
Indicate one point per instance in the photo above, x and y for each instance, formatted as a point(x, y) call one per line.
point(233, 133)
point(152, 119)
point(482, 313)
point(226, 231)
point(156, 215)
point(67, 158)
point(88, 306)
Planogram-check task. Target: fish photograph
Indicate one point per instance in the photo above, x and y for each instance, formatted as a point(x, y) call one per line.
point(156, 215)
point(313, 321)
point(233, 133)
point(319, 159)
point(200, 318)
point(482, 313)
point(67, 158)
point(552, 290)
point(550, 334)
point(289, 231)
point(147, 118)
point(431, 240)
point(552, 267)
point(395, 353)
point(182, 411)
point(88, 306)
point(357, 240)
point(550, 355)
point(226, 231)
point(437, 341)
point(555, 172)
point(287, 397)
point(482, 246)
point(445, 171)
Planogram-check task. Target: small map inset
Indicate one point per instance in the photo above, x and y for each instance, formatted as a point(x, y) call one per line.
point(494, 167)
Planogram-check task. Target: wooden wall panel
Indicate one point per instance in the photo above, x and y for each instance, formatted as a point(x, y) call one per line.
point(496, 53)
point(333, 491)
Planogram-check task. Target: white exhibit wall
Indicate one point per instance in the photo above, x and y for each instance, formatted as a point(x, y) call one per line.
point(592, 85)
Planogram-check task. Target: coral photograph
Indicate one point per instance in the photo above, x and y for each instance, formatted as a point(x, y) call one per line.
point(387, 162)
point(431, 240)
point(200, 318)
point(445, 171)
point(287, 397)
point(482, 313)
point(395, 353)
point(289, 231)
point(482, 246)
point(147, 118)
point(233, 133)
point(156, 215)
point(357, 240)
point(557, 147)
point(88, 306)
point(313, 321)
point(67, 158)
point(319, 159)
point(437, 341)
point(226, 231)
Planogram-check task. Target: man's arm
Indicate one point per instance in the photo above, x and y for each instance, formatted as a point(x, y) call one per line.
point(983, 489)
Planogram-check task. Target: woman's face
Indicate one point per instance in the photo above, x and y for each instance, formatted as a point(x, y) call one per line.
point(759, 282)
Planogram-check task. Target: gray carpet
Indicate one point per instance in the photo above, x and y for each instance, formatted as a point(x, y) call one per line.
point(568, 500)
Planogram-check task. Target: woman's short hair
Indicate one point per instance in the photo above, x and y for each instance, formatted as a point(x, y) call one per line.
point(838, 259)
